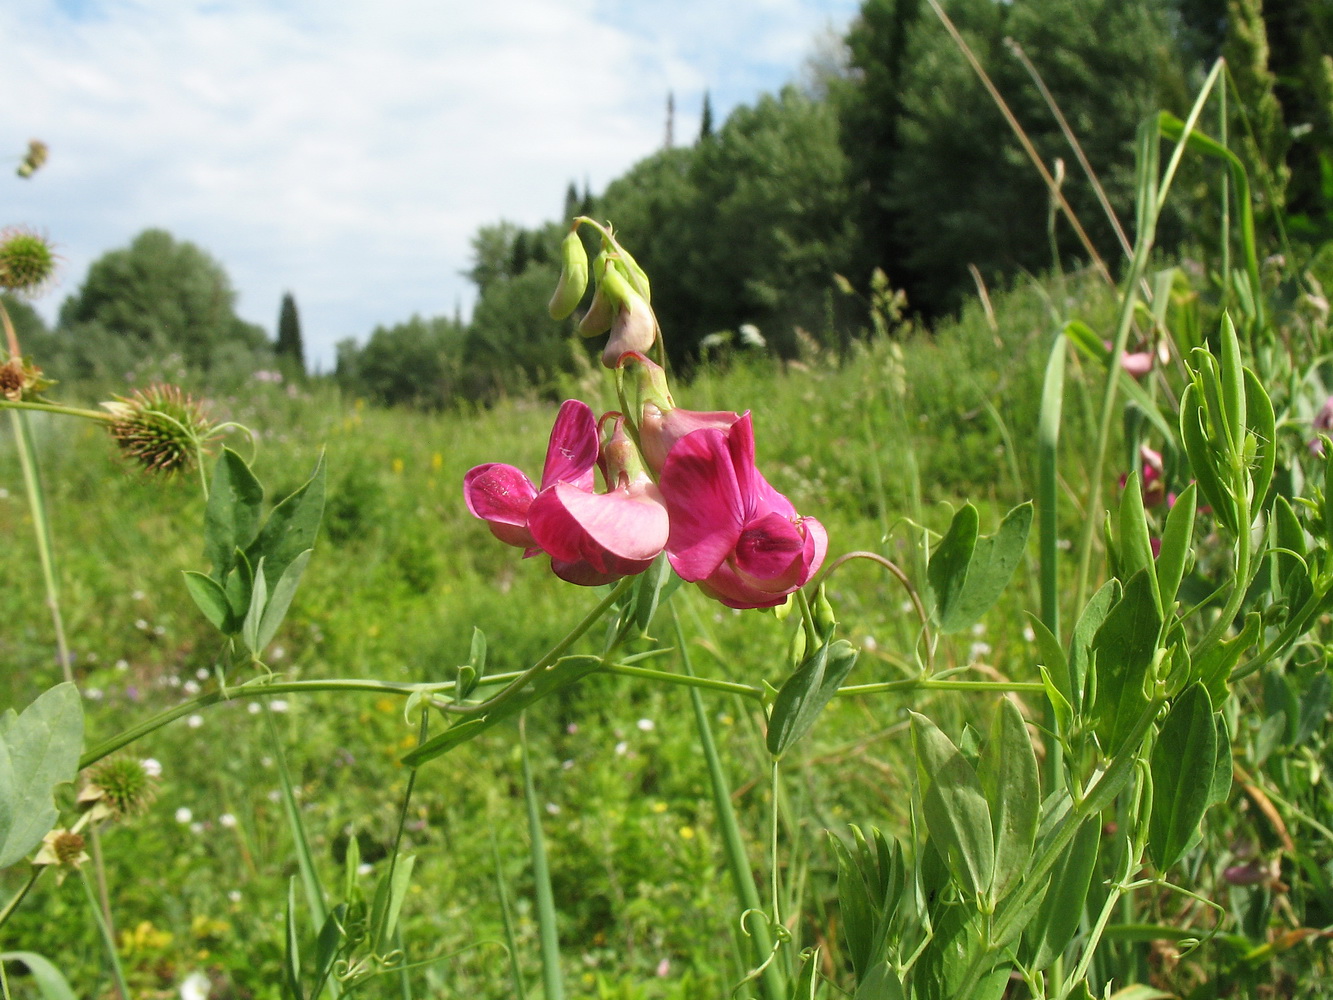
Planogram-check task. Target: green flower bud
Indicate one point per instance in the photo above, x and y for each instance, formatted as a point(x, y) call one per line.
point(161, 428)
point(597, 320)
point(573, 276)
point(27, 262)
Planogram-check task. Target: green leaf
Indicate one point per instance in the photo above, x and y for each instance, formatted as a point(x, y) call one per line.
point(39, 750)
point(1062, 906)
point(239, 586)
point(855, 908)
point(1213, 668)
point(292, 527)
point(51, 984)
point(389, 896)
point(327, 945)
point(954, 807)
point(211, 599)
point(1177, 538)
point(1204, 460)
point(254, 615)
point(1184, 762)
point(291, 956)
point(1263, 426)
point(1232, 378)
point(1055, 672)
point(1125, 646)
point(1007, 772)
point(566, 671)
point(882, 983)
point(1135, 545)
point(947, 570)
point(275, 610)
point(1085, 632)
point(967, 573)
point(807, 985)
point(807, 691)
point(232, 516)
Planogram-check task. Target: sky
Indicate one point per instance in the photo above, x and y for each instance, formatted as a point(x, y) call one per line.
point(348, 150)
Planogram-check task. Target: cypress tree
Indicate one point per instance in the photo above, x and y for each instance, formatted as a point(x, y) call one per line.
point(706, 119)
point(289, 350)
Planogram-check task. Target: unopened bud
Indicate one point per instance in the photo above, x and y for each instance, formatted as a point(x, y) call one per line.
point(20, 379)
point(597, 320)
point(122, 785)
point(634, 330)
point(573, 276)
point(63, 848)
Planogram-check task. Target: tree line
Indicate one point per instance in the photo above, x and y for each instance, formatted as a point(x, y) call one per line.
point(888, 154)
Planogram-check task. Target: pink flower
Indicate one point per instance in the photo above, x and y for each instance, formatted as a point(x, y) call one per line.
point(592, 538)
point(1137, 363)
point(731, 532)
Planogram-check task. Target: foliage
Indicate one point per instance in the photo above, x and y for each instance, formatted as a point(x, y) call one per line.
point(288, 349)
point(157, 295)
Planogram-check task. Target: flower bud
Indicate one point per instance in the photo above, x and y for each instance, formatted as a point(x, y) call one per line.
point(573, 277)
point(122, 785)
point(597, 320)
point(64, 849)
point(634, 330)
point(20, 379)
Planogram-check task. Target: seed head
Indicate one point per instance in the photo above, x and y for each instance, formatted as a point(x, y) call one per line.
point(63, 848)
point(122, 785)
point(161, 427)
point(20, 379)
point(27, 262)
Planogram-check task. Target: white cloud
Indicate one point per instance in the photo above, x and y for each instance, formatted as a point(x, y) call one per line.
point(348, 151)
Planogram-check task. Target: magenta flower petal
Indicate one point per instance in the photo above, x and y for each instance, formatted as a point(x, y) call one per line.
point(581, 574)
point(771, 549)
point(659, 431)
point(704, 502)
point(607, 530)
point(572, 451)
point(500, 495)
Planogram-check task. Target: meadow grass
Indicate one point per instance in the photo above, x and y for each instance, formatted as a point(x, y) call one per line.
point(874, 443)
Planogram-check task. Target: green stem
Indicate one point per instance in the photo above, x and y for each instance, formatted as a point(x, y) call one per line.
point(252, 690)
point(931, 684)
point(66, 411)
point(116, 971)
point(13, 904)
point(41, 526)
point(1242, 579)
point(555, 652)
point(686, 680)
point(733, 844)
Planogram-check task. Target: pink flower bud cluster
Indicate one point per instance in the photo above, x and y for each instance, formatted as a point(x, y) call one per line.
point(719, 521)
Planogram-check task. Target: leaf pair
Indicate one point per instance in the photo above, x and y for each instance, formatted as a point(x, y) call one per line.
point(983, 820)
point(255, 569)
point(967, 572)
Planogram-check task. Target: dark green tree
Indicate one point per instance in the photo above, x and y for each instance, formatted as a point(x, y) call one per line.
point(160, 296)
point(289, 350)
point(415, 364)
point(706, 119)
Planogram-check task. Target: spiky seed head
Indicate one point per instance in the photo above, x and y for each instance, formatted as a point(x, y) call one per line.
point(160, 427)
point(27, 262)
point(122, 785)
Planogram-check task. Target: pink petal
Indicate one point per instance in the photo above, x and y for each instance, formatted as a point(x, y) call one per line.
point(704, 504)
point(500, 495)
point(605, 529)
point(660, 431)
point(740, 445)
point(770, 549)
point(726, 586)
point(581, 574)
point(572, 451)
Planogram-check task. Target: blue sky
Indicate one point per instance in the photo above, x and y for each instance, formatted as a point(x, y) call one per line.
point(347, 150)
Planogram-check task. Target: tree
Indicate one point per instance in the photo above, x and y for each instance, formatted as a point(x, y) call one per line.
point(289, 350)
point(159, 296)
point(706, 119)
point(409, 364)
